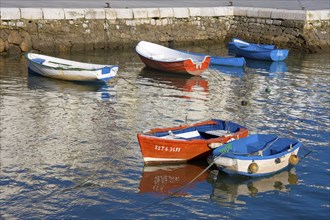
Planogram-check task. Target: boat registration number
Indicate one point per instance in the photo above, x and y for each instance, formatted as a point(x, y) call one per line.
point(168, 149)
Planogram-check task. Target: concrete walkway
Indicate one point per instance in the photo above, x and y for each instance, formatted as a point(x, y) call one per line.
point(279, 4)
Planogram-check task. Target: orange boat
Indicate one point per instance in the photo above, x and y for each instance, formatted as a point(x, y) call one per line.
point(187, 142)
point(165, 59)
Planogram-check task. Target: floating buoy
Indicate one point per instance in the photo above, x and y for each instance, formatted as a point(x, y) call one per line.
point(294, 159)
point(267, 90)
point(253, 167)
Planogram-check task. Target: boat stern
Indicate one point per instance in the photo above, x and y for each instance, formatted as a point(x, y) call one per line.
point(197, 67)
point(106, 73)
point(279, 55)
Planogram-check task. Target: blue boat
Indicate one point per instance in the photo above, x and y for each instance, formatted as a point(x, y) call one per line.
point(231, 46)
point(223, 61)
point(256, 155)
point(256, 51)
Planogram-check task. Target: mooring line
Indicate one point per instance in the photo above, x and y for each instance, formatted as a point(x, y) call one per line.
point(128, 81)
point(217, 76)
point(177, 191)
point(308, 152)
point(84, 180)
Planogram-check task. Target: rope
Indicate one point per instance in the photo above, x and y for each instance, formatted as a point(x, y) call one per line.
point(84, 180)
point(215, 74)
point(128, 81)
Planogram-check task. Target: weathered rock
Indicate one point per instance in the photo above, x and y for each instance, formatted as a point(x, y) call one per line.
point(14, 37)
point(14, 49)
point(26, 43)
point(2, 46)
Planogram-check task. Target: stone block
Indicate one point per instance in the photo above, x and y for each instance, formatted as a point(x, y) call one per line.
point(221, 11)
point(240, 11)
point(252, 12)
point(10, 14)
point(124, 13)
point(300, 16)
point(139, 13)
point(53, 13)
point(31, 13)
point(153, 12)
point(181, 12)
point(277, 14)
point(14, 38)
point(293, 15)
point(20, 24)
point(74, 13)
point(194, 12)
point(265, 12)
point(230, 11)
point(207, 12)
point(166, 12)
point(95, 13)
point(110, 13)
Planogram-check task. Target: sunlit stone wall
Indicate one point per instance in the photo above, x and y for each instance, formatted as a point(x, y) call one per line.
point(61, 29)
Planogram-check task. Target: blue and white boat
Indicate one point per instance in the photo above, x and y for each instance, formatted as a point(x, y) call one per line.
point(256, 155)
point(256, 51)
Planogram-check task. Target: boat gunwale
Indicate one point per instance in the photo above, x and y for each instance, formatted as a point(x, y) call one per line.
point(69, 69)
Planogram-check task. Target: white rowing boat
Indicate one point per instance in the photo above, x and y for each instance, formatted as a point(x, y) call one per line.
point(69, 70)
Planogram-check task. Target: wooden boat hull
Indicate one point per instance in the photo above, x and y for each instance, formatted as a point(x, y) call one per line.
point(256, 155)
point(168, 60)
point(62, 69)
point(256, 51)
point(184, 67)
point(156, 148)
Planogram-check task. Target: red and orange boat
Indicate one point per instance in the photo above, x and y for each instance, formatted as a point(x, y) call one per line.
point(165, 59)
point(187, 142)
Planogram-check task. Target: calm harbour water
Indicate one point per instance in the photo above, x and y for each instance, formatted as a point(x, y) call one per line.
point(69, 150)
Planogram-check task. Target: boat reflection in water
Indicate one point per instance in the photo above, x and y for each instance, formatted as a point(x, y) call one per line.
point(191, 92)
point(100, 91)
point(230, 70)
point(167, 179)
point(267, 66)
point(183, 82)
point(229, 189)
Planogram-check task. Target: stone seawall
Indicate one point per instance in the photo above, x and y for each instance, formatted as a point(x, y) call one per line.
point(58, 29)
